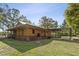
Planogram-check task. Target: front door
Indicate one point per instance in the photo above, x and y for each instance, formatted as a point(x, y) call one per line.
point(38, 35)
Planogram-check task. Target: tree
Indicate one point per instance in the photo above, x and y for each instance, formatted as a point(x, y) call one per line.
point(3, 15)
point(13, 17)
point(24, 19)
point(64, 24)
point(72, 17)
point(47, 23)
point(55, 24)
point(64, 27)
point(10, 17)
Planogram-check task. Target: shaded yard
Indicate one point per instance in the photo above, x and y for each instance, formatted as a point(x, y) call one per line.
point(41, 47)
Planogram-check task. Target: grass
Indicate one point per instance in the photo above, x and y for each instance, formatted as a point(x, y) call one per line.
point(39, 48)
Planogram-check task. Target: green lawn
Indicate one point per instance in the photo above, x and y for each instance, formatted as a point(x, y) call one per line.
point(41, 48)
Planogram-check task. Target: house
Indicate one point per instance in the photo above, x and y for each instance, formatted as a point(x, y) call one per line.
point(55, 32)
point(24, 31)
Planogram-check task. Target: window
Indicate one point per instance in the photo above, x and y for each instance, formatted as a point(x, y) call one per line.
point(33, 31)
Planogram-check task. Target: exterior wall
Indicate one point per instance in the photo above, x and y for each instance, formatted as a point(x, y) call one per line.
point(25, 34)
point(41, 32)
point(28, 32)
point(48, 33)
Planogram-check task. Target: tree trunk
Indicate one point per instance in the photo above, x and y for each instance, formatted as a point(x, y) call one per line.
point(70, 33)
point(75, 32)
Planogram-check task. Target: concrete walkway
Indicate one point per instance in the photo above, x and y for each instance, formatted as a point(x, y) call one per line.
point(67, 37)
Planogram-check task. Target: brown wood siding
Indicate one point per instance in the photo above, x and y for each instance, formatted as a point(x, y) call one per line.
point(28, 32)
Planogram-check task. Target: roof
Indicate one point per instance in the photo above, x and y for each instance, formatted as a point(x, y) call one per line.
point(22, 22)
point(55, 29)
point(22, 25)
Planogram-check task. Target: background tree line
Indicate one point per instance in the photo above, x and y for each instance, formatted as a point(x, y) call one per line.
point(10, 17)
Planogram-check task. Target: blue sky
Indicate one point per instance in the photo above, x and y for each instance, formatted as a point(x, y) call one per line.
point(34, 11)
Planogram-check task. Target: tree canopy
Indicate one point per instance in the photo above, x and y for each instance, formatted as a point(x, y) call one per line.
point(72, 15)
point(47, 23)
point(10, 17)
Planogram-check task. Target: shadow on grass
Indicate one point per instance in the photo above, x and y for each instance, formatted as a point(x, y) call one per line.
point(23, 46)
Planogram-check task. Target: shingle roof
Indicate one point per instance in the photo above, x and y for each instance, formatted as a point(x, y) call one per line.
point(23, 25)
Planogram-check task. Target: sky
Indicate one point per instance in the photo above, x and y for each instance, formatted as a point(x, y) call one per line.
point(34, 11)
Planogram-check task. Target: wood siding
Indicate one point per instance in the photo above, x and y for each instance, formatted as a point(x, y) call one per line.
point(30, 33)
